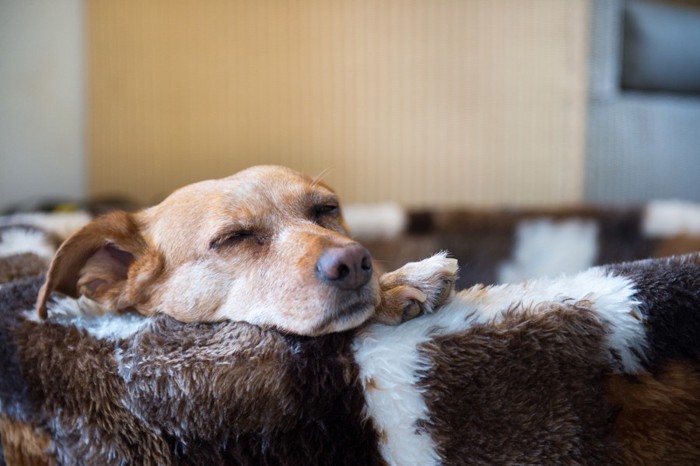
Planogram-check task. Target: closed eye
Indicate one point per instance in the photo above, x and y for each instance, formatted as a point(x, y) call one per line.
point(327, 209)
point(232, 238)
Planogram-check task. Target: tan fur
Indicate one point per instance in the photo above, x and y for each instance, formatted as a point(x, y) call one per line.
point(240, 248)
point(23, 445)
point(119, 229)
point(658, 420)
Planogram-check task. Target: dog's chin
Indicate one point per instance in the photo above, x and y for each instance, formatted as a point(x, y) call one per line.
point(344, 318)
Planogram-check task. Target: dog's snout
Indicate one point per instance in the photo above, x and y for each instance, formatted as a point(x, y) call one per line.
point(348, 267)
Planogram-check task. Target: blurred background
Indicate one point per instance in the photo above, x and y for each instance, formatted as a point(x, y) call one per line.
point(421, 102)
point(527, 137)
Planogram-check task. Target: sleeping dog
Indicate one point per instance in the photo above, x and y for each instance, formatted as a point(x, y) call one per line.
point(598, 368)
point(267, 246)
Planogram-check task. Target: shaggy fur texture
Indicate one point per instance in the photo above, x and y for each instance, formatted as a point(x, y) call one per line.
point(660, 410)
point(183, 394)
point(20, 266)
point(669, 290)
point(25, 251)
point(532, 391)
point(535, 383)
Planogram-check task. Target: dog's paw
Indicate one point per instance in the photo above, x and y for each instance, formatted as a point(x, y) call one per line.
point(416, 288)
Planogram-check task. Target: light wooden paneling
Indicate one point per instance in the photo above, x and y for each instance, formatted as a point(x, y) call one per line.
point(423, 102)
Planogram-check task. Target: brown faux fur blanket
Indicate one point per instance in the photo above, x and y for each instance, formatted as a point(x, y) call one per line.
point(545, 372)
point(599, 368)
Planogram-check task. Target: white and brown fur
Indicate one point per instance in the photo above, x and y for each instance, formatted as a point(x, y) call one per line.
point(596, 368)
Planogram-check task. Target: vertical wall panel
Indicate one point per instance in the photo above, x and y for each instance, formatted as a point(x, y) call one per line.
point(419, 101)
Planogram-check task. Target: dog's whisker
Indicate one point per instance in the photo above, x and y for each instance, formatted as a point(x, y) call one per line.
point(318, 178)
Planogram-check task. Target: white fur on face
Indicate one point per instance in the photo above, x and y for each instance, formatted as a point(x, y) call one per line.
point(288, 303)
point(194, 287)
point(390, 362)
point(545, 248)
point(663, 219)
point(267, 290)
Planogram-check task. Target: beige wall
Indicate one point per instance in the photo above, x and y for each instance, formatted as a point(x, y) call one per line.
point(419, 101)
point(42, 141)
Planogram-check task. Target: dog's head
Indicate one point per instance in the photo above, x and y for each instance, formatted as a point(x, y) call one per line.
point(267, 246)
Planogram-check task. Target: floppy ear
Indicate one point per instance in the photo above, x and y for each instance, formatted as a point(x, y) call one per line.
point(95, 262)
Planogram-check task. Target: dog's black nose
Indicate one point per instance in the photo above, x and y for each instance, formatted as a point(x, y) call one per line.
point(349, 267)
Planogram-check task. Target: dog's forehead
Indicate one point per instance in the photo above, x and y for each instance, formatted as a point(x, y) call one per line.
point(254, 186)
point(276, 184)
point(263, 187)
point(258, 192)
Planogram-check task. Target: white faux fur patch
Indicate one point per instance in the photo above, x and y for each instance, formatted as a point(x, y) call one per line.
point(390, 363)
point(612, 298)
point(20, 241)
point(389, 366)
point(88, 315)
point(545, 248)
point(663, 219)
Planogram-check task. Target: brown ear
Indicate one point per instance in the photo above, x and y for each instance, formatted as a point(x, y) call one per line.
point(95, 261)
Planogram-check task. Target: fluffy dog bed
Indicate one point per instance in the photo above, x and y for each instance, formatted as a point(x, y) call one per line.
point(596, 369)
point(600, 368)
